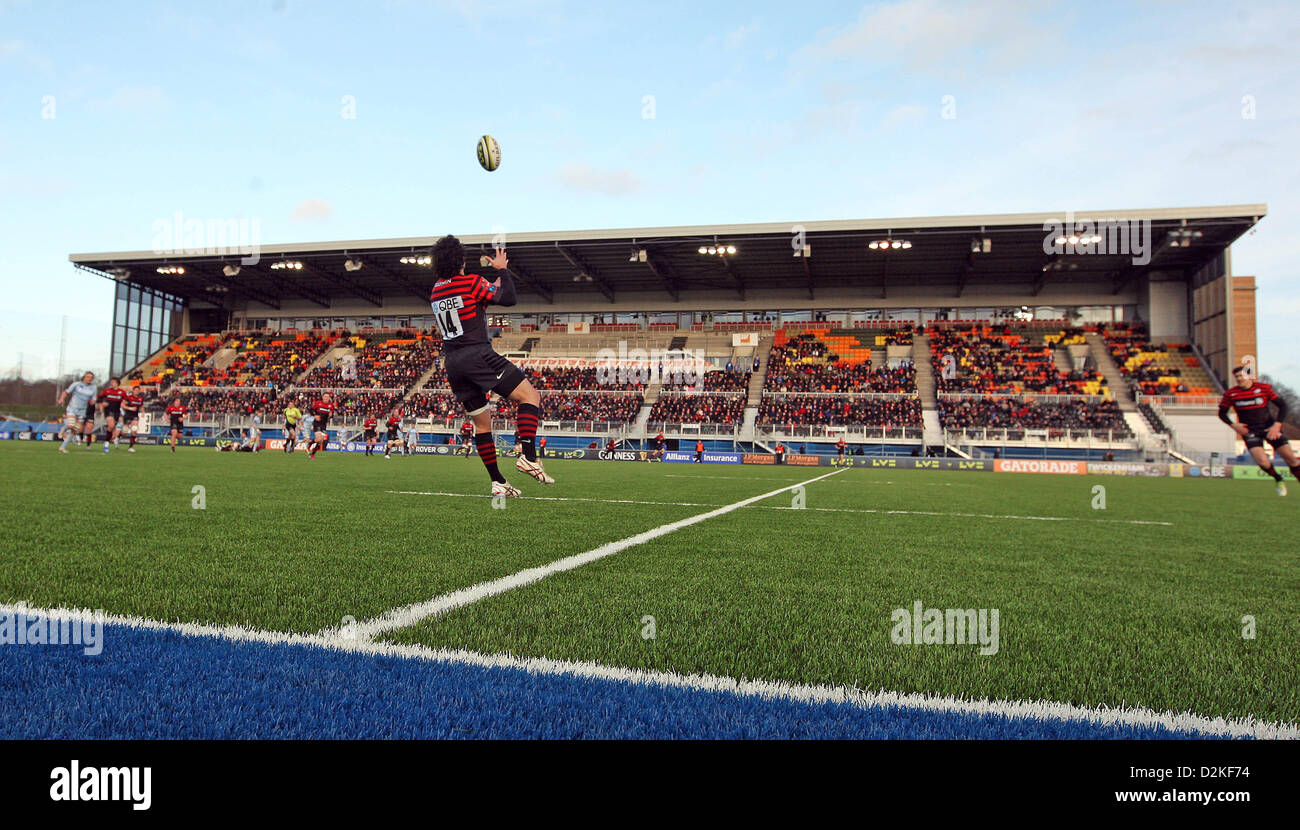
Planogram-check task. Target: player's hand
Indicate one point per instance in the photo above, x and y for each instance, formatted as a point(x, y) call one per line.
point(500, 261)
point(1275, 431)
point(1241, 430)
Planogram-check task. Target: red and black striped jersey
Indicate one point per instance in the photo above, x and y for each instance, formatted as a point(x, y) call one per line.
point(1251, 404)
point(460, 310)
point(466, 428)
point(370, 423)
point(132, 402)
point(177, 410)
point(323, 410)
point(113, 394)
point(394, 423)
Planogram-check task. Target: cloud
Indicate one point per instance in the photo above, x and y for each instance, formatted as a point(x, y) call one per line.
point(312, 210)
point(734, 39)
point(132, 99)
point(17, 50)
point(34, 186)
point(904, 114)
point(586, 179)
point(933, 36)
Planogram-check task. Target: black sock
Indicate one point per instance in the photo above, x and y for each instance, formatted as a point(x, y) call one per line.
point(487, 450)
point(1273, 472)
point(526, 429)
point(1295, 471)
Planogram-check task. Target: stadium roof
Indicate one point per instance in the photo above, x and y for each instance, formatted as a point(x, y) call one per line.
point(947, 254)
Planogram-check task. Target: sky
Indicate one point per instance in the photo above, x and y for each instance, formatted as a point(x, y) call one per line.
point(324, 121)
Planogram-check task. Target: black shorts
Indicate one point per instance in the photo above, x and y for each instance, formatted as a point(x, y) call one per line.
point(130, 416)
point(370, 433)
point(288, 427)
point(90, 411)
point(1257, 437)
point(113, 411)
point(177, 423)
point(476, 370)
point(321, 425)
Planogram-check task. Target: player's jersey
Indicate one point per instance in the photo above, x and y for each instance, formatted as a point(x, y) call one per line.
point(460, 310)
point(394, 425)
point(370, 425)
point(113, 396)
point(80, 395)
point(322, 411)
point(308, 422)
point(292, 415)
point(131, 403)
point(1251, 404)
point(177, 411)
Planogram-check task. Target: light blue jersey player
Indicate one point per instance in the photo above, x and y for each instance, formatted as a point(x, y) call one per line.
point(80, 414)
point(307, 425)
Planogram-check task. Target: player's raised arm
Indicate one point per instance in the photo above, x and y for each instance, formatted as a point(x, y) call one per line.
point(504, 283)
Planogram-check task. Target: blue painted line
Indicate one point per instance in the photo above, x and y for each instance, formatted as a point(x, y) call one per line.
point(161, 684)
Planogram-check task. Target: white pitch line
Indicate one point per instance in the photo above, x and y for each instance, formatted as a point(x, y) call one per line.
point(1183, 722)
point(814, 509)
point(735, 478)
point(549, 498)
point(411, 614)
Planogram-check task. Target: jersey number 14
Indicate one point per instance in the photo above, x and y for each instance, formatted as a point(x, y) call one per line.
point(447, 315)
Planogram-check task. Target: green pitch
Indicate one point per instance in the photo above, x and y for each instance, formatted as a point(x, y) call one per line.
point(1095, 606)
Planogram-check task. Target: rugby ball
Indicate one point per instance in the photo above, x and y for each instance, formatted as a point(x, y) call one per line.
point(489, 153)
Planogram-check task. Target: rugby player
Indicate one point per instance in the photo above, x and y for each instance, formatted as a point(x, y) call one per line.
point(255, 429)
point(176, 412)
point(321, 411)
point(1254, 402)
point(460, 303)
point(394, 435)
point(370, 433)
point(660, 447)
point(110, 403)
point(80, 397)
point(131, 404)
point(292, 415)
point(467, 438)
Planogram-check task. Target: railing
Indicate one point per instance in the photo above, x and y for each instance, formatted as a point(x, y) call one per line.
point(671, 428)
point(1023, 396)
point(1036, 436)
point(857, 433)
point(853, 395)
point(1177, 400)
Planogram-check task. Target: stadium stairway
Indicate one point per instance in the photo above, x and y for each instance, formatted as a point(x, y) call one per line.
point(642, 418)
point(1119, 387)
point(333, 353)
point(1138, 424)
point(924, 372)
point(932, 432)
point(420, 382)
point(757, 379)
point(221, 359)
point(747, 426)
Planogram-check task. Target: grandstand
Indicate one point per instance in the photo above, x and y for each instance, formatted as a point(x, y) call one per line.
point(977, 338)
